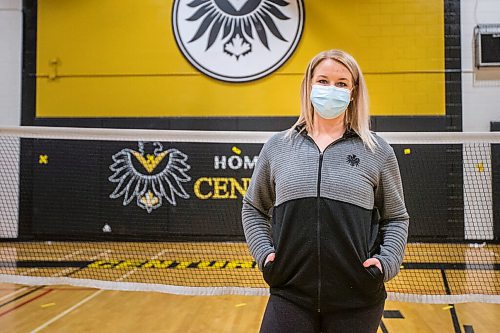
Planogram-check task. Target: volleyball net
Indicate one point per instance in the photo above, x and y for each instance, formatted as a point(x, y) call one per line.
point(161, 211)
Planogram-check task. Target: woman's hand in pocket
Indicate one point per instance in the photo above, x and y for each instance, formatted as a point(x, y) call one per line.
point(270, 258)
point(373, 262)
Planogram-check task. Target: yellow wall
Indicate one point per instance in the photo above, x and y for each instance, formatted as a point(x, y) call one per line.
point(118, 58)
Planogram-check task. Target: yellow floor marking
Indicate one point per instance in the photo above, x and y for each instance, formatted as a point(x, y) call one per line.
point(47, 305)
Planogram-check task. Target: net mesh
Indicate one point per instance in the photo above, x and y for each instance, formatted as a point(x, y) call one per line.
point(160, 211)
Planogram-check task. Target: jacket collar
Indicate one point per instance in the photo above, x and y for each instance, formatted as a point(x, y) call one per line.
point(349, 133)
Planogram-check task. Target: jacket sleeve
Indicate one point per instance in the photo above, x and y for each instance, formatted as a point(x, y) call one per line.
point(394, 218)
point(257, 204)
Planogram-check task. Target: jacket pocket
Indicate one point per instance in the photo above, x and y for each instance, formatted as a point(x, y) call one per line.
point(267, 273)
point(375, 273)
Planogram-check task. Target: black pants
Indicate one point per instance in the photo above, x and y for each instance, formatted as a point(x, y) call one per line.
point(284, 316)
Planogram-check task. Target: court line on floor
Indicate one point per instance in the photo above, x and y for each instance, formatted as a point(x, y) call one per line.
point(23, 295)
point(126, 275)
point(13, 293)
point(26, 302)
point(71, 270)
point(382, 327)
point(65, 312)
point(453, 312)
point(69, 255)
point(85, 300)
point(66, 272)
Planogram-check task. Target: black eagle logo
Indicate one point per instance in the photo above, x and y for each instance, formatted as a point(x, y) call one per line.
point(353, 160)
point(237, 21)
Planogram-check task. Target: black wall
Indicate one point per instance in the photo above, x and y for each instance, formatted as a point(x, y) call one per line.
point(70, 198)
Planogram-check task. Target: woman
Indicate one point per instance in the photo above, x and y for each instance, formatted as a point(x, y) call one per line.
point(324, 215)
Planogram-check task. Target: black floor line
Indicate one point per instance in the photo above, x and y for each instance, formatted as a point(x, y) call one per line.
point(468, 329)
point(22, 296)
point(454, 318)
point(86, 263)
point(382, 327)
point(36, 289)
point(396, 314)
point(453, 311)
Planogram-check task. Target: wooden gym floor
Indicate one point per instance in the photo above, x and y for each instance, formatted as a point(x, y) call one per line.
point(437, 269)
point(72, 309)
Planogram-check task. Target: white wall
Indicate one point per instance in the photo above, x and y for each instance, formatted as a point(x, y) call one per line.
point(480, 88)
point(10, 112)
point(10, 61)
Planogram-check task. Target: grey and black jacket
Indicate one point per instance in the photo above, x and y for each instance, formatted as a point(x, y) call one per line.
point(324, 214)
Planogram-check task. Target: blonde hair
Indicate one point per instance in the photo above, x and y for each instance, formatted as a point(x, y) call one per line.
point(357, 116)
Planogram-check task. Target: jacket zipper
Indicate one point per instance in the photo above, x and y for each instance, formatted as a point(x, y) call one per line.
point(318, 220)
point(318, 230)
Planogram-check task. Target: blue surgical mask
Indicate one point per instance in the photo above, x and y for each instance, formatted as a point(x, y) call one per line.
point(330, 101)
